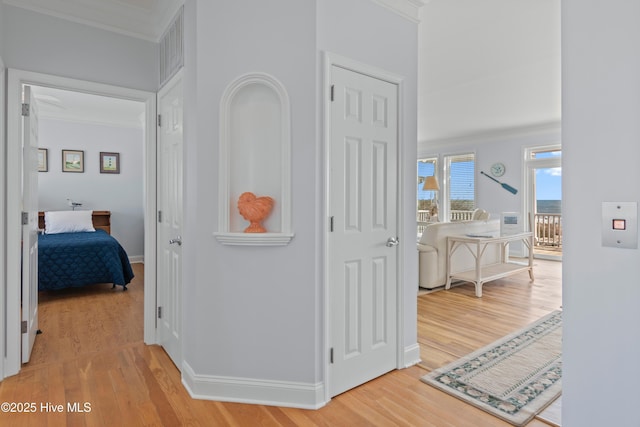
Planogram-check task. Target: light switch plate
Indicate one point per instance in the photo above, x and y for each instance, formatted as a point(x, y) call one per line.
point(623, 213)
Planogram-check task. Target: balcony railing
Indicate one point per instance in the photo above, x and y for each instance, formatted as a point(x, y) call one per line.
point(424, 217)
point(460, 215)
point(548, 231)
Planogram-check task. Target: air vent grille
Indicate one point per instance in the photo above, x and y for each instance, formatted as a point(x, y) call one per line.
point(172, 48)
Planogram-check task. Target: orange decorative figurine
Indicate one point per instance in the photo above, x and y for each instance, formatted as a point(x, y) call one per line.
point(255, 210)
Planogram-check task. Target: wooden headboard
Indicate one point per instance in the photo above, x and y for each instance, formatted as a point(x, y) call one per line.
point(101, 220)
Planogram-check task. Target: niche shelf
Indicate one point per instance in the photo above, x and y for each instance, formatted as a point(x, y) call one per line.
point(255, 156)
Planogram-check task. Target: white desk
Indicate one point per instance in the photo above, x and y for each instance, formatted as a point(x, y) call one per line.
point(484, 273)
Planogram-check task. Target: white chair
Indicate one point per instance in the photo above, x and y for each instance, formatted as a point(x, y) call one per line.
point(480, 215)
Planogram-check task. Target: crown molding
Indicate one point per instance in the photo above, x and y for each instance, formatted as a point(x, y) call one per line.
point(118, 17)
point(409, 9)
point(493, 135)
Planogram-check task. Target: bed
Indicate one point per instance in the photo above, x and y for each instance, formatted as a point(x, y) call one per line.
point(71, 255)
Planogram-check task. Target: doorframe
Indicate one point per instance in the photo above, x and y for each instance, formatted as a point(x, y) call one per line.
point(3, 245)
point(330, 60)
point(10, 301)
point(528, 167)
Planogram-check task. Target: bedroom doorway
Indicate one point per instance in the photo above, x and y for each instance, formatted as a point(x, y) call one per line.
point(16, 80)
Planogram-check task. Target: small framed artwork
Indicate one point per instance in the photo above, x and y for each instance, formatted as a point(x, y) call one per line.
point(43, 160)
point(72, 161)
point(109, 162)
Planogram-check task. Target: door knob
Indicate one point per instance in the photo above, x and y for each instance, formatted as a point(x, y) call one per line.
point(392, 241)
point(177, 240)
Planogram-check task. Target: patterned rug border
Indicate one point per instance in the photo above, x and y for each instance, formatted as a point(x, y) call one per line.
point(532, 397)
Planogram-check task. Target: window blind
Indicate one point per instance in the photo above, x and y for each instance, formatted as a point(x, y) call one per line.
point(462, 188)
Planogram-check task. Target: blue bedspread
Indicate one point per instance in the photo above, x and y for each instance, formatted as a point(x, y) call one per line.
point(78, 259)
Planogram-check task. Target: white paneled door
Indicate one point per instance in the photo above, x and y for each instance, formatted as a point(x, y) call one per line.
point(29, 223)
point(169, 217)
point(362, 242)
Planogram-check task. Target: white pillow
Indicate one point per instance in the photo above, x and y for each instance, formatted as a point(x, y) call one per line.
point(68, 222)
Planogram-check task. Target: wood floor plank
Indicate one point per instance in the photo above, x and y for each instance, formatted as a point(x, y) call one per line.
point(92, 350)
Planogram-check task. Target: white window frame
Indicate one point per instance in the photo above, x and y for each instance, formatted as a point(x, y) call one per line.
point(529, 167)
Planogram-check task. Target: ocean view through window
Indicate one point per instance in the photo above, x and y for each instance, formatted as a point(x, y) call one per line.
point(544, 175)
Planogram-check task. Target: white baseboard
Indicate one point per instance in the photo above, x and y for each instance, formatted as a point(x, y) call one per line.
point(253, 391)
point(412, 355)
point(136, 259)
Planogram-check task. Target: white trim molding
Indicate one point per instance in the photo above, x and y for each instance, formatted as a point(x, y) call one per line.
point(489, 136)
point(253, 391)
point(143, 22)
point(3, 228)
point(411, 355)
point(409, 9)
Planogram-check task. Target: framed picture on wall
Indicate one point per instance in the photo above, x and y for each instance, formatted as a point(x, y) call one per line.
point(43, 160)
point(72, 161)
point(109, 162)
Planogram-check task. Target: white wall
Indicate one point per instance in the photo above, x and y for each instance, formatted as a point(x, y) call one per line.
point(1, 26)
point(601, 134)
point(266, 302)
point(505, 147)
point(250, 301)
point(121, 193)
point(45, 44)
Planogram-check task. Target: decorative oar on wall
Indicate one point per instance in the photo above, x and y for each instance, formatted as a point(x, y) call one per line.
point(507, 187)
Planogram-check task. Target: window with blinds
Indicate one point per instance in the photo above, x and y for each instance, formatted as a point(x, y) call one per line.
point(460, 194)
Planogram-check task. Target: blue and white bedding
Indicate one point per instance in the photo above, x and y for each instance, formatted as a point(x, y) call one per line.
point(78, 259)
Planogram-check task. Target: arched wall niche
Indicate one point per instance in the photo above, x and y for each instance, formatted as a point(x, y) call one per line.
point(255, 156)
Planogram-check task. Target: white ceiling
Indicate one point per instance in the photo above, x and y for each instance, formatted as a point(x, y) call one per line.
point(487, 65)
point(484, 65)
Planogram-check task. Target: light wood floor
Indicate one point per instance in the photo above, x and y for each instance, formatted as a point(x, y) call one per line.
point(91, 350)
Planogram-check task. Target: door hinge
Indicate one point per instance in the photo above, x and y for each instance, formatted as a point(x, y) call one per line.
point(25, 109)
point(159, 216)
point(159, 312)
point(331, 355)
point(159, 120)
point(25, 218)
point(24, 327)
point(331, 224)
point(332, 88)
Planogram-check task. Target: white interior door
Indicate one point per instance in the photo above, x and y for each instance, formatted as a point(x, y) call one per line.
point(170, 170)
point(29, 223)
point(362, 244)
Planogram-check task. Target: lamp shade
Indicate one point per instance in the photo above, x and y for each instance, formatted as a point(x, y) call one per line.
point(431, 184)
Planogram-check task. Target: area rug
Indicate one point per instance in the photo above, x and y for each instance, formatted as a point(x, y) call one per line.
point(515, 377)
